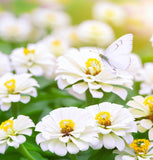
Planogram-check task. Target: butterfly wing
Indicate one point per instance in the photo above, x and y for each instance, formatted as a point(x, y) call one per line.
point(118, 53)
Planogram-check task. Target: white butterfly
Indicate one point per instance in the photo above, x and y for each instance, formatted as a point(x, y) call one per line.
point(117, 55)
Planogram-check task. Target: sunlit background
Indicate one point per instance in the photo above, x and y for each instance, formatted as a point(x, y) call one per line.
point(122, 16)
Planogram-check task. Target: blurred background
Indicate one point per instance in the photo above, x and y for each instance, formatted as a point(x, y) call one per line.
point(39, 18)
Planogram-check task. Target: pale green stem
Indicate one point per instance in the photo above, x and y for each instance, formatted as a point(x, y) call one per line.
point(89, 98)
point(15, 108)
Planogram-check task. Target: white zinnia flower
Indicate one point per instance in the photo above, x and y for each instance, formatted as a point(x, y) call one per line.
point(13, 130)
point(56, 45)
point(51, 19)
point(66, 130)
point(146, 75)
point(93, 32)
point(69, 33)
point(83, 69)
point(5, 65)
point(15, 88)
point(139, 149)
point(14, 29)
point(109, 12)
point(114, 124)
point(35, 58)
point(142, 110)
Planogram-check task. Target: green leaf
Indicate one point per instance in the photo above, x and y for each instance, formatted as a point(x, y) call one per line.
point(102, 154)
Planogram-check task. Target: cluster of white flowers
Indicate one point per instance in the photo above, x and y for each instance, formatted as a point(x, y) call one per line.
point(72, 129)
point(83, 71)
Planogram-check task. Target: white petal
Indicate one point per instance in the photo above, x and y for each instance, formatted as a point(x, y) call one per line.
point(5, 106)
point(80, 87)
point(25, 99)
point(72, 148)
point(80, 144)
point(108, 141)
point(96, 94)
point(120, 92)
point(60, 148)
point(3, 148)
point(146, 123)
point(36, 70)
point(150, 134)
point(119, 142)
point(14, 97)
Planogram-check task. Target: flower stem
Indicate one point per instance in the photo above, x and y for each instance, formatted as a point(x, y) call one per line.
point(73, 156)
point(89, 98)
point(15, 107)
point(25, 152)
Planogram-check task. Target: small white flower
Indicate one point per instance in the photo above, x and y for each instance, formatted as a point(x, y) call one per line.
point(146, 75)
point(35, 58)
point(13, 130)
point(109, 12)
point(93, 32)
point(84, 69)
point(139, 149)
point(66, 130)
point(14, 29)
point(114, 124)
point(15, 88)
point(69, 33)
point(142, 110)
point(49, 18)
point(5, 65)
point(56, 45)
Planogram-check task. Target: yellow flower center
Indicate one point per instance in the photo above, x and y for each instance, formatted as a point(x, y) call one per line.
point(149, 102)
point(13, 30)
point(67, 126)
point(109, 13)
point(56, 42)
point(6, 125)
point(50, 17)
point(74, 36)
point(10, 85)
point(93, 66)
point(103, 118)
point(140, 146)
point(26, 51)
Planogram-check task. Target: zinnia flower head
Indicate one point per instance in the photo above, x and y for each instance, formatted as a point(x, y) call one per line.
point(67, 129)
point(142, 110)
point(15, 88)
point(139, 149)
point(114, 124)
point(12, 132)
point(109, 12)
point(14, 29)
point(83, 69)
point(34, 58)
point(94, 32)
